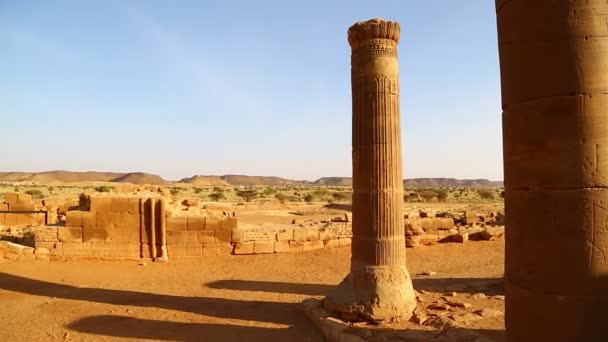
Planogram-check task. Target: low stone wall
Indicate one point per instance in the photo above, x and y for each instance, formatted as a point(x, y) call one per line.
point(19, 202)
point(291, 239)
point(133, 228)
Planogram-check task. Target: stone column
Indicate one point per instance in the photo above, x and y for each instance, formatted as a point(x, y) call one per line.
point(554, 71)
point(379, 286)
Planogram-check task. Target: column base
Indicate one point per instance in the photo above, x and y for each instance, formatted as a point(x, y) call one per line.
point(375, 293)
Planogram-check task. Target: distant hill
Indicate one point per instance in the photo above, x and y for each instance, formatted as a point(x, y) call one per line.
point(59, 176)
point(258, 180)
point(140, 178)
point(334, 181)
point(418, 182)
point(451, 182)
point(49, 177)
point(204, 180)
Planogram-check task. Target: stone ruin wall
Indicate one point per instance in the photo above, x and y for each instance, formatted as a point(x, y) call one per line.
point(121, 228)
point(15, 203)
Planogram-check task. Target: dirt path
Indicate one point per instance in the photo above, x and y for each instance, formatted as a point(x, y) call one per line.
point(231, 298)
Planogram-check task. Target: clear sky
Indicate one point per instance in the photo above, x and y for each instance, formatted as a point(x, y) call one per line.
point(179, 88)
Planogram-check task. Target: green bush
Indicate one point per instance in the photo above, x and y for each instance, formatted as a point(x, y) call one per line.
point(35, 193)
point(216, 196)
point(103, 188)
point(281, 197)
point(485, 193)
point(247, 194)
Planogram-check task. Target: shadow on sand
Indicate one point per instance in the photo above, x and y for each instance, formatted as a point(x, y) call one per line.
point(288, 314)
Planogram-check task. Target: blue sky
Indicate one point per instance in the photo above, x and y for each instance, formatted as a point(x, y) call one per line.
point(179, 88)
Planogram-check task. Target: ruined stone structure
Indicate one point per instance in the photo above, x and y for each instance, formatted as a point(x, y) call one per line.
point(554, 71)
point(379, 286)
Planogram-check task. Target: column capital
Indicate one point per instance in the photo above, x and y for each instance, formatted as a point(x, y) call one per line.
point(373, 29)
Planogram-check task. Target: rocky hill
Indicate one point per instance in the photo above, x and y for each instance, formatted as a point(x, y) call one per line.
point(140, 178)
point(418, 182)
point(204, 180)
point(259, 180)
point(334, 181)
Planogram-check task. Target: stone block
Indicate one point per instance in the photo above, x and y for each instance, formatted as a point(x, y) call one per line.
point(10, 219)
point(100, 250)
point(73, 218)
point(345, 241)
point(56, 248)
point(427, 223)
point(177, 251)
point(226, 248)
point(101, 204)
point(243, 248)
point(22, 206)
point(300, 234)
point(3, 206)
point(285, 234)
point(129, 220)
point(412, 241)
point(212, 249)
point(326, 234)
point(107, 219)
point(237, 236)
point(196, 223)
point(447, 223)
point(88, 219)
point(134, 205)
point(312, 245)
point(112, 234)
point(181, 237)
point(206, 236)
point(45, 234)
point(212, 223)
point(176, 224)
point(281, 247)
point(69, 234)
point(223, 235)
point(331, 243)
point(296, 246)
point(263, 247)
point(436, 223)
point(228, 223)
point(119, 204)
point(194, 250)
point(11, 197)
point(24, 198)
point(124, 250)
point(312, 234)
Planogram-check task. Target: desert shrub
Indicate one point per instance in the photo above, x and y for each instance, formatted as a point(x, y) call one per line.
point(218, 189)
point(103, 188)
point(485, 193)
point(282, 197)
point(51, 189)
point(247, 194)
point(442, 195)
point(216, 196)
point(198, 190)
point(35, 193)
point(309, 198)
point(342, 196)
point(320, 193)
point(428, 195)
point(175, 191)
point(269, 192)
point(502, 194)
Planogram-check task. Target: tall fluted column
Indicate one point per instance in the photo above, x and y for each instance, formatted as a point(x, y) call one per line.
point(554, 72)
point(379, 286)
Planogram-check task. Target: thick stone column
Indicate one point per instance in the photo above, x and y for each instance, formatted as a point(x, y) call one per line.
point(379, 286)
point(554, 71)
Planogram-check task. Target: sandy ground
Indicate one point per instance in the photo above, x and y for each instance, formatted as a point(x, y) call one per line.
point(230, 298)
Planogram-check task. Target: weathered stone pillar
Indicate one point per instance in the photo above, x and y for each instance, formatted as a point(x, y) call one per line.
point(379, 286)
point(554, 70)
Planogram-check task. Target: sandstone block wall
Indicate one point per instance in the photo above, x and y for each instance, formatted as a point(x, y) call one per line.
point(130, 227)
point(196, 236)
point(19, 202)
point(291, 239)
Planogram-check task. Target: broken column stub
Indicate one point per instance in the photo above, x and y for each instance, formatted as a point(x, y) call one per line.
point(378, 287)
point(554, 75)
